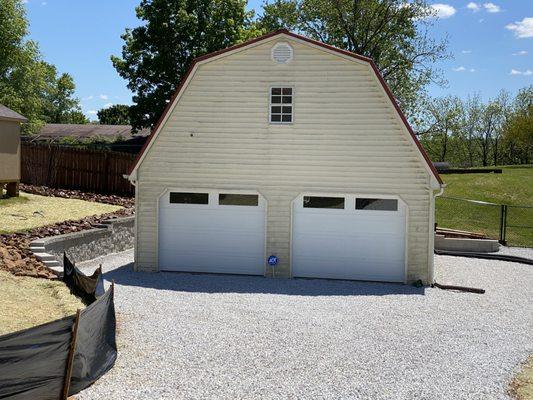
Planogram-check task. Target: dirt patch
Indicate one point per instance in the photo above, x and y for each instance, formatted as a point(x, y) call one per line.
point(15, 254)
point(521, 387)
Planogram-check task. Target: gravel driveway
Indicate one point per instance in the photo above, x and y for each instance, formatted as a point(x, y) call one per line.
point(184, 336)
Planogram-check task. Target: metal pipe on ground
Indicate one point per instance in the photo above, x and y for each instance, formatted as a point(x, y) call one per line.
point(459, 288)
point(487, 256)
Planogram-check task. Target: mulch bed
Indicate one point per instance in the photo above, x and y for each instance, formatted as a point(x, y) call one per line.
point(15, 254)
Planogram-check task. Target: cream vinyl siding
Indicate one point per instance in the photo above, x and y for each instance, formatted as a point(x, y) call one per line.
point(345, 138)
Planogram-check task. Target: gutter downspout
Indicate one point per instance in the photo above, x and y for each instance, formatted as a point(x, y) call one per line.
point(431, 246)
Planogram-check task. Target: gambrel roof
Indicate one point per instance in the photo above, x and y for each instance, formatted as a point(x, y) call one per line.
point(283, 32)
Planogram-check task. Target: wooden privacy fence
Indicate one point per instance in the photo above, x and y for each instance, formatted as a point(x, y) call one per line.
point(70, 168)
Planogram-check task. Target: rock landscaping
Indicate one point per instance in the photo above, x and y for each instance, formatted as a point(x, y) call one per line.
point(15, 254)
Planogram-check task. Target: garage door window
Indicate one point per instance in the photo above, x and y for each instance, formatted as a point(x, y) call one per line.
point(228, 199)
point(323, 202)
point(376, 204)
point(189, 198)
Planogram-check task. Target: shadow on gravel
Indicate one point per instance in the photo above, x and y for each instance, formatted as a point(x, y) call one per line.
point(218, 283)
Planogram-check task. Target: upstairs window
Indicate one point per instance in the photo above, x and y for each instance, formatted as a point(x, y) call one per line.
point(281, 105)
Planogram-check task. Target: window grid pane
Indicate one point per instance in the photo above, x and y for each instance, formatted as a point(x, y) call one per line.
point(376, 204)
point(323, 202)
point(238, 199)
point(188, 198)
point(281, 105)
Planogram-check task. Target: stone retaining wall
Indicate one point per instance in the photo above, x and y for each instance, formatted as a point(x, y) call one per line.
point(111, 236)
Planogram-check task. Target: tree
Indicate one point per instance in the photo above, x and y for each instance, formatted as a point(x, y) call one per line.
point(118, 114)
point(394, 33)
point(156, 55)
point(491, 120)
point(29, 85)
point(442, 121)
point(21, 73)
point(59, 105)
point(517, 131)
point(471, 125)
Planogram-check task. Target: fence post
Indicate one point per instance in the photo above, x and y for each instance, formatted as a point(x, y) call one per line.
point(503, 224)
point(70, 359)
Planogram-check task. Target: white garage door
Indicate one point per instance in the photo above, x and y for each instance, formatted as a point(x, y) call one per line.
point(349, 237)
point(212, 231)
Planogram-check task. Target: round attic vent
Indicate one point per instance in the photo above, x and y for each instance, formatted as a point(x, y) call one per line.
point(282, 53)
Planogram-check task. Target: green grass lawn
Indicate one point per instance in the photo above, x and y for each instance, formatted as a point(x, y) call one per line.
point(513, 187)
point(31, 211)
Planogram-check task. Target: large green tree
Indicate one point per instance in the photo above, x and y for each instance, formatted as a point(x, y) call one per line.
point(117, 114)
point(28, 84)
point(394, 33)
point(517, 132)
point(157, 54)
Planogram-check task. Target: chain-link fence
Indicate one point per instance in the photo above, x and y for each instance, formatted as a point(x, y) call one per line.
point(511, 225)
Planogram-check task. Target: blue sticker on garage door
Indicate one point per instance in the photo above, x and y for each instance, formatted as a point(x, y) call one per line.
point(272, 260)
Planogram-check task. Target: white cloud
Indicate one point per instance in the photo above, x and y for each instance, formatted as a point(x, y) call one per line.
point(527, 72)
point(473, 6)
point(466, 51)
point(107, 105)
point(92, 112)
point(88, 98)
point(472, 70)
point(104, 96)
point(443, 10)
point(492, 8)
point(520, 53)
point(522, 29)
point(459, 69)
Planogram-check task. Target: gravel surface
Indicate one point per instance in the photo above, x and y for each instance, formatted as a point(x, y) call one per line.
point(184, 336)
point(526, 252)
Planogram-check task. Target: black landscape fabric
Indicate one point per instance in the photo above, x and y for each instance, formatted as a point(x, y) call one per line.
point(96, 347)
point(88, 288)
point(33, 361)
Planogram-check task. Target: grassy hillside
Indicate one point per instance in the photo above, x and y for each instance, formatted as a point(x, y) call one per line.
point(513, 187)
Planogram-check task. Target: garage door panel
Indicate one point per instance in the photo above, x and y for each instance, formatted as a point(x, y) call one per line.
point(211, 237)
point(349, 243)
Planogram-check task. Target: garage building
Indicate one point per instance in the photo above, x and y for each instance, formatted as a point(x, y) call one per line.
point(284, 146)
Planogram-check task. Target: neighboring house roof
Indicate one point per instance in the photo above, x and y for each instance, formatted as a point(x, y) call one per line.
point(7, 114)
point(51, 132)
point(328, 47)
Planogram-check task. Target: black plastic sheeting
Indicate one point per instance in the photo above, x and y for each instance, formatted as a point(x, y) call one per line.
point(96, 347)
point(88, 288)
point(33, 362)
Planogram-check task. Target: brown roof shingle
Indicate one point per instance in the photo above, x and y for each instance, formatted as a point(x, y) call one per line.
point(84, 131)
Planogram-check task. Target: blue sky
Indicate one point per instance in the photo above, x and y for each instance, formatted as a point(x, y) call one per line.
point(491, 42)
